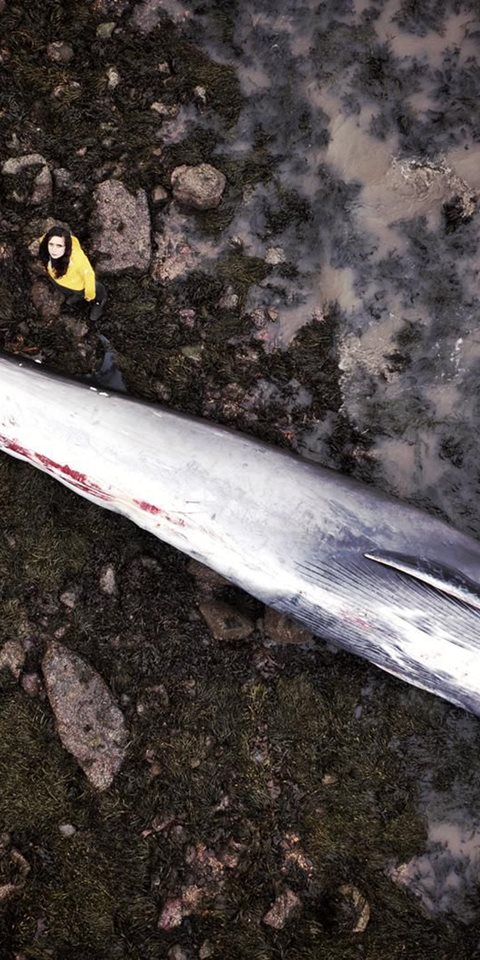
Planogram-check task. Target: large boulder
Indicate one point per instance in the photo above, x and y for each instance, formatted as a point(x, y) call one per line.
point(200, 187)
point(89, 723)
point(121, 228)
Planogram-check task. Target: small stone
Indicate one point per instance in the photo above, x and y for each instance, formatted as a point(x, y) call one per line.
point(164, 68)
point(224, 622)
point(274, 256)
point(13, 143)
point(259, 317)
point(32, 684)
point(63, 178)
point(151, 564)
point(188, 316)
point(59, 51)
point(67, 829)
point(286, 905)
point(12, 657)
point(113, 77)
point(164, 110)
point(281, 629)
point(177, 953)
point(7, 890)
point(200, 94)
point(107, 581)
point(361, 908)
point(159, 195)
point(274, 790)
point(206, 951)
point(294, 856)
point(42, 187)
point(200, 187)
point(193, 352)
point(172, 914)
point(105, 30)
point(192, 897)
point(229, 301)
point(69, 598)
point(17, 863)
point(329, 780)
point(21, 865)
point(5, 251)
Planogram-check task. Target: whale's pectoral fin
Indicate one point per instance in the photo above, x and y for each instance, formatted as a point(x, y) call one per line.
point(437, 575)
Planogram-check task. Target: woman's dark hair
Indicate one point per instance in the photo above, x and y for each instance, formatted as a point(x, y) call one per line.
point(60, 265)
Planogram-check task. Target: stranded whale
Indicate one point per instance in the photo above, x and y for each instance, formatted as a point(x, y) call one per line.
point(375, 576)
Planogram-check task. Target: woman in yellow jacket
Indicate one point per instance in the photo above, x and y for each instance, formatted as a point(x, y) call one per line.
point(69, 268)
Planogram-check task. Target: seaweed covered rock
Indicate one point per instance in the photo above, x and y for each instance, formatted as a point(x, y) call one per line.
point(225, 622)
point(146, 15)
point(200, 187)
point(59, 51)
point(121, 228)
point(46, 299)
point(15, 165)
point(30, 178)
point(89, 724)
point(177, 249)
point(12, 657)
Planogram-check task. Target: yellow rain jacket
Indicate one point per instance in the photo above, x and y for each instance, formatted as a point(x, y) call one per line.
point(80, 274)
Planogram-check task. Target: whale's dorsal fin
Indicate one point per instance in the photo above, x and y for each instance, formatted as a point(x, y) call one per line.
point(437, 575)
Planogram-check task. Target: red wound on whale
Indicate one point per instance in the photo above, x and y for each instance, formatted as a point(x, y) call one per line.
point(79, 481)
point(76, 479)
point(157, 511)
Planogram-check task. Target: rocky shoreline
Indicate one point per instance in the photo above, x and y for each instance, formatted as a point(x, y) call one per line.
point(185, 774)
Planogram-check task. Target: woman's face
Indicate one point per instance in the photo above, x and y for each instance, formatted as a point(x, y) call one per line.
point(56, 247)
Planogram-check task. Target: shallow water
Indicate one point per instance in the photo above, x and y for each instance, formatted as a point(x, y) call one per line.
point(373, 153)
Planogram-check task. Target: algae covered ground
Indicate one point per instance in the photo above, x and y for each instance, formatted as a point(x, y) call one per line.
point(259, 754)
point(252, 769)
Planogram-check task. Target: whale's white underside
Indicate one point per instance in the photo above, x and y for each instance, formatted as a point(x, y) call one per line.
point(294, 535)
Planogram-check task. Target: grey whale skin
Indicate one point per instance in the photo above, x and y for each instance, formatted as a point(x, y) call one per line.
point(377, 577)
